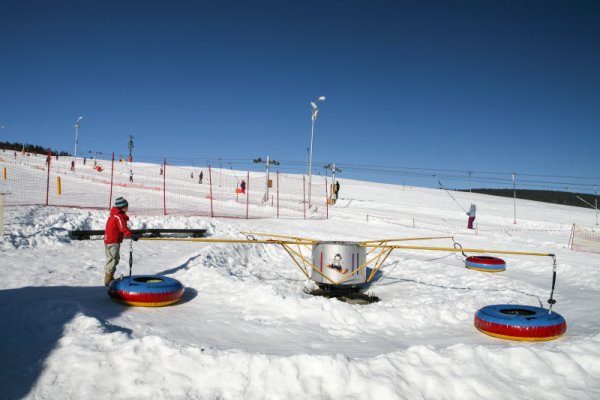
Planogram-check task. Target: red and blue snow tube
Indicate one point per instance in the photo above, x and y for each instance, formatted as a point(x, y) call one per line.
point(146, 290)
point(517, 322)
point(485, 263)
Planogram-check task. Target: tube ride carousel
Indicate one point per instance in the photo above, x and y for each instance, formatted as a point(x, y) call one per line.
point(339, 267)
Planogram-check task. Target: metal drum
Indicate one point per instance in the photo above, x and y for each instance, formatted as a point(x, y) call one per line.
point(336, 260)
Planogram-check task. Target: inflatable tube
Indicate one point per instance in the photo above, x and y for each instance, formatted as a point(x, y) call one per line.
point(485, 263)
point(516, 322)
point(146, 290)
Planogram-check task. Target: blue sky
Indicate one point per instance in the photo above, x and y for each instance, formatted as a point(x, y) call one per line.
point(413, 88)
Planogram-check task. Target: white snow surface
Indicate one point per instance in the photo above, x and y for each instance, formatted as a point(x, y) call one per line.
point(246, 327)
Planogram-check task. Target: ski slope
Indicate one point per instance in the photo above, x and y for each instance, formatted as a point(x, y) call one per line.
point(247, 329)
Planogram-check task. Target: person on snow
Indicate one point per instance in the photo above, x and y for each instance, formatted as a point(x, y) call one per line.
point(116, 229)
point(336, 190)
point(243, 186)
point(471, 214)
point(200, 177)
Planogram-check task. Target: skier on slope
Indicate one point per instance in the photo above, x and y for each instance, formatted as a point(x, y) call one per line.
point(471, 213)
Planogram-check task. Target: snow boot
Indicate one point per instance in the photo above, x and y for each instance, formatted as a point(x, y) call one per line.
point(108, 278)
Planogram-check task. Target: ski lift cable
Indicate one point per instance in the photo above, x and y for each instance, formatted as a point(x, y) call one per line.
point(442, 186)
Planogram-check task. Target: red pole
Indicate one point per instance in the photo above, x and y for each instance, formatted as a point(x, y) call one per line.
point(48, 181)
point(247, 193)
point(277, 194)
point(212, 214)
point(326, 200)
point(112, 171)
point(165, 186)
point(304, 194)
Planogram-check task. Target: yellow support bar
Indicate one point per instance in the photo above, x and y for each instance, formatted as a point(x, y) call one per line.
point(386, 250)
point(361, 267)
point(309, 241)
point(216, 240)
point(381, 241)
point(455, 250)
point(378, 266)
point(58, 187)
point(289, 251)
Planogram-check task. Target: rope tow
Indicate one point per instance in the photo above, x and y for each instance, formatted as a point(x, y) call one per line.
point(442, 186)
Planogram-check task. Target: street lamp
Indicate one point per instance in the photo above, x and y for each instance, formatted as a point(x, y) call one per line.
point(76, 135)
point(315, 114)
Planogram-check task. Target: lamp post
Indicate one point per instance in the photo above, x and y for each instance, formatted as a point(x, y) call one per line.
point(76, 135)
point(596, 200)
point(315, 114)
point(515, 199)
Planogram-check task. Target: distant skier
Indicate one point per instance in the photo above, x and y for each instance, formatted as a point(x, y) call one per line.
point(116, 229)
point(73, 165)
point(200, 177)
point(243, 187)
point(471, 213)
point(336, 190)
point(130, 175)
point(161, 170)
point(192, 175)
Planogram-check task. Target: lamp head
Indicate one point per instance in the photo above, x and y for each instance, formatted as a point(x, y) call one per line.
point(321, 98)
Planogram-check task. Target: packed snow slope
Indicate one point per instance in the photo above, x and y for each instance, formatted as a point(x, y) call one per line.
point(247, 328)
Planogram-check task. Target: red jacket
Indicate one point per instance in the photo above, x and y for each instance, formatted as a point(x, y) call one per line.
point(116, 226)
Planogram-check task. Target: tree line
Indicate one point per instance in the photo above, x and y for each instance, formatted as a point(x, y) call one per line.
point(30, 148)
point(546, 196)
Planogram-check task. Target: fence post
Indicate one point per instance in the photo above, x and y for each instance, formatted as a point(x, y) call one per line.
point(112, 171)
point(1, 214)
point(247, 192)
point(571, 237)
point(164, 186)
point(277, 194)
point(304, 194)
point(48, 180)
point(212, 214)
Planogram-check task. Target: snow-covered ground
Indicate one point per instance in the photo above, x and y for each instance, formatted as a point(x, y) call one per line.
point(247, 329)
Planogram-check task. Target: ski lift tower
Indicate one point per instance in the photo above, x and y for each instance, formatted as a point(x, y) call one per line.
point(130, 143)
point(268, 181)
point(333, 169)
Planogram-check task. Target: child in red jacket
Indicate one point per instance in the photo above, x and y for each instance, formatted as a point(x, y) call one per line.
point(116, 229)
